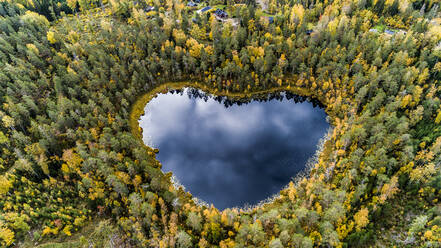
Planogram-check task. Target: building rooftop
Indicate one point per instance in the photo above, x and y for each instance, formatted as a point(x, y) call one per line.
point(205, 9)
point(387, 31)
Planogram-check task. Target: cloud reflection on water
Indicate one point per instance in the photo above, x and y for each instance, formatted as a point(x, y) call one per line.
point(236, 155)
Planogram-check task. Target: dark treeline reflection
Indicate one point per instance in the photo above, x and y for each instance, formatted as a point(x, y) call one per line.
point(233, 152)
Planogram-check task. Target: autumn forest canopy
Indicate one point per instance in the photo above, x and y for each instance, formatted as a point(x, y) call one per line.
point(75, 76)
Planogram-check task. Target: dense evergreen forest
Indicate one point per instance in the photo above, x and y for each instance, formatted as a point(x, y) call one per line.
point(71, 71)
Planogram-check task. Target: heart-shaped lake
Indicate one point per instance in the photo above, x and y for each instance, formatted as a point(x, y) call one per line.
point(232, 155)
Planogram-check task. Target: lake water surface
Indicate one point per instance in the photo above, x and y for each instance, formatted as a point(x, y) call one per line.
point(232, 156)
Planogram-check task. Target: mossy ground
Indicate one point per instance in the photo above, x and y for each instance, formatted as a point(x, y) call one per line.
point(97, 233)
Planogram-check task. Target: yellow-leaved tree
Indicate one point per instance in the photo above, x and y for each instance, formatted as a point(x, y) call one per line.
point(361, 218)
point(5, 185)
point(297, 13)
point(6, 236)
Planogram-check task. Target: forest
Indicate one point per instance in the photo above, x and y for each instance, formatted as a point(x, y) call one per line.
point(75, 173)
